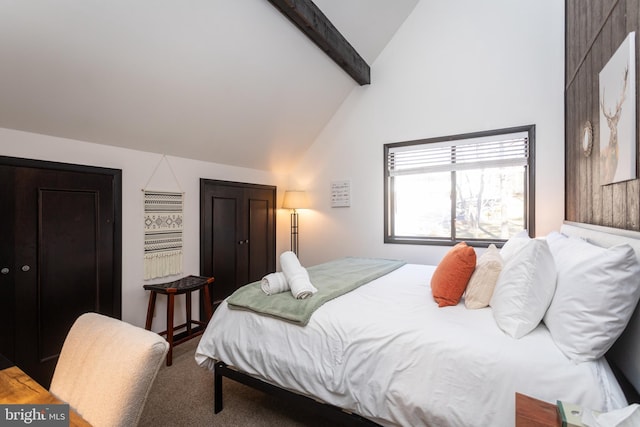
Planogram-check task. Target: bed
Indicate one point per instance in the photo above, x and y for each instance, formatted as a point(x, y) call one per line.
point(386, 354)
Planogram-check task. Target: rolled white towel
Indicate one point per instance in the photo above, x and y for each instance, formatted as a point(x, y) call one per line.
point(274, 283)
point(297, 276)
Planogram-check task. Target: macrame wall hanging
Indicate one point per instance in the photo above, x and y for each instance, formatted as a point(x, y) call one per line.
point(163, 225)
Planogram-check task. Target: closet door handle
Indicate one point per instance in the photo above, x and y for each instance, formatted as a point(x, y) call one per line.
point(241, 242)
point(4, 270)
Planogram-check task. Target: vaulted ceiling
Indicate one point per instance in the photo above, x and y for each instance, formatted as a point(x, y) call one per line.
point(232, 82)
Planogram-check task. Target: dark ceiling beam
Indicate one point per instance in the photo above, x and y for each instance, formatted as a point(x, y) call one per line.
point(306, 16)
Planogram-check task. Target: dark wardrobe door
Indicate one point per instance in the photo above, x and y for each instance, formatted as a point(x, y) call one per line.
point(260, 223)
point(237, 234)
point(65, 259)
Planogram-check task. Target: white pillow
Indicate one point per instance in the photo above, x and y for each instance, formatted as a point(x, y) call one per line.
point(597, 291)
point(524, 289)
point(484, 278)
point(514, 244)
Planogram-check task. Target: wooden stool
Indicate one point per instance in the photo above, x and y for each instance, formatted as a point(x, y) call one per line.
point(186, 285)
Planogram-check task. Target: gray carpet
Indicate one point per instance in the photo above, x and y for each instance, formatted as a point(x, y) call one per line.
point(182, 395)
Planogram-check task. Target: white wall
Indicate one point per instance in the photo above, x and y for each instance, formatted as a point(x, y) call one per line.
point(453, 67)
point(137, 169)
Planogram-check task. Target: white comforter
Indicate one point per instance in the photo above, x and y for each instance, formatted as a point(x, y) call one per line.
point(387, 352)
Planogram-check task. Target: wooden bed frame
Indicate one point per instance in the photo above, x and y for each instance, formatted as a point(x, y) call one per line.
point(621, 356)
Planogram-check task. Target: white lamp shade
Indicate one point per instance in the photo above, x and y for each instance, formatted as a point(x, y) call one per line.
point(294, 199)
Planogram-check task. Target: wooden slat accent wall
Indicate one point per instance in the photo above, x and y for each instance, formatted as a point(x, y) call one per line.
point(594, 31)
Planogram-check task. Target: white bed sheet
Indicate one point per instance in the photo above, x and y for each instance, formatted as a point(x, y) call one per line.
point(387, 352)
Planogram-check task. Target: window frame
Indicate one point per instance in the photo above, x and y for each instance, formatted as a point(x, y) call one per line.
point(529, 189)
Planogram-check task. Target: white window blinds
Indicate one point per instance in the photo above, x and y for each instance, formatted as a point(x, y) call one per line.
point(471, 153)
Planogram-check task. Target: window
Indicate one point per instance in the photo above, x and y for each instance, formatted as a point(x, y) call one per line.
point(475, 187)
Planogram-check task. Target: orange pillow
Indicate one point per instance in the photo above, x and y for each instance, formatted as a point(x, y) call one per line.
point(452, 274)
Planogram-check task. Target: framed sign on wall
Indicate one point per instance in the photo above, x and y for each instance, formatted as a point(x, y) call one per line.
point(340, 194)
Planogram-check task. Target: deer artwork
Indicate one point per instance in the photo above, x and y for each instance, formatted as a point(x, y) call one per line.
point(609, 154)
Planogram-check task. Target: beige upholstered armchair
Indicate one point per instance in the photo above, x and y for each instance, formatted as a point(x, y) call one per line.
point(106, 369)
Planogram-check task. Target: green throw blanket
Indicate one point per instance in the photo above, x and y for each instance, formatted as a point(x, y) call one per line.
point(332, 279)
